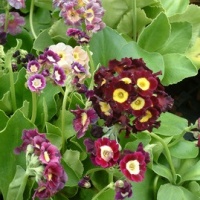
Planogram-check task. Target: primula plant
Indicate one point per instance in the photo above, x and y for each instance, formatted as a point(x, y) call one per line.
point(84, 108)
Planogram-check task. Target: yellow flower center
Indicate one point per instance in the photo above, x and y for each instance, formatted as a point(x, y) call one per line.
point(106, 153)
point(103, 82)
point(41, 189)
point(89, 15)
point(126, 80)
point(46, 156)
point(147, 116)
point(73, 15)
point(143, 84)
point(83, 118)
point(105, 108)
point(133, 166)
point(49, 177)
point(138, 104)
point(76, 56)
point(120, 95)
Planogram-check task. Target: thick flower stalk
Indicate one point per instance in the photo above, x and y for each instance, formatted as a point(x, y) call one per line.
point(43, 162)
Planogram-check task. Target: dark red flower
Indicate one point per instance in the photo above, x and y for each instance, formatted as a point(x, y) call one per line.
point(123, 189)
point(133, 166)
point(107, 152)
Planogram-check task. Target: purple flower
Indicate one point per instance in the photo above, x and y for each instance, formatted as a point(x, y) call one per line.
point(55, 176)
point(36, 82)
point(85, 182)
point(83, 118)
point(80, 36)
point(59, 76)
point(15, 23)
point(43, 191)
point(71, 15)
point(123, 189)
point(49, 153)
point(33, 66)
point(78, 68)
point(17, 4)
point(49, 57)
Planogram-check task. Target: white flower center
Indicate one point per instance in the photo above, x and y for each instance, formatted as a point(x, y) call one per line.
point(33, 68)
point(37, 82)
point(57, 75)
point(46, 156)
point(133, 166)
point(106, 153)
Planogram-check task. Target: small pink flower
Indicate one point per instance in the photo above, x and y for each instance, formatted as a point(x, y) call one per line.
point(17, 4)
point(107, 152)
point(133, 166)
point(49, 153)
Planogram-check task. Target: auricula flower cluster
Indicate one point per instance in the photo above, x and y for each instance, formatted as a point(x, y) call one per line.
point(129, 94)
point(17, 4)
point(43, 162)
point(79, 14)
point(55, 64)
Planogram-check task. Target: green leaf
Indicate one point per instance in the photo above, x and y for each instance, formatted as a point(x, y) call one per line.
point(153, 60)
point(42, 41)
point(104, 46)
point(179, 39)
point(159, 28)
point(46, 4)
point(173, 192)
point(107, 194)
point(58, 31)
point(5, 103)
point(171, 125)
point(54, 134)
point(163, 171)
point(192, 173)
point(184, 150)
point(72, 159)
point(173, 7)
point(177, 67)
point(194, 187)
point(191, 15)
point(10, 138)
point(16, 183)
point(3, 119)
point(125, 25)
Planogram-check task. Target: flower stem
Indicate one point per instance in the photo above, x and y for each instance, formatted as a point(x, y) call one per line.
point(103, 190)
point(134, 7)
point(22, 187)
point(11, 76)
point(7, 15)
point(34, 107)
point(168, 155)
point(92, 67)
point(31, 19)
point(68, 89)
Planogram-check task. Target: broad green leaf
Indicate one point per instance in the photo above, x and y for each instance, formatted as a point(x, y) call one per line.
point(194, 187)
point(10, 138)
point(159, 28)
point(171, 125)
point(125, 25)
point(25, 108)
point(3, 119)
point(45, 4)
point(107, 194)
point(192, 173)
point(5, 103)
point(43, 41)
point(58, 31)
point(16, 183)
point(72, 158)
point(153, 60)
point(173, 7)
point(179, 39)
point(106, 45)
point(54, 134)
point(163, 171)
point(177, 67)
point(144, 190)
point(173, 192)
point(191, 15)
point(184, 150)
point(66, 193)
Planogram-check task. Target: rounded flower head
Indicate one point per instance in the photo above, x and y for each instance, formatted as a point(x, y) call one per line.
point(123, 189)
point(59, 76)
point(36, 82)
point(65, 53)
point(133, 166)
point(33, 66)
point(17, 4)
point(107, 152)
point(15, 23)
